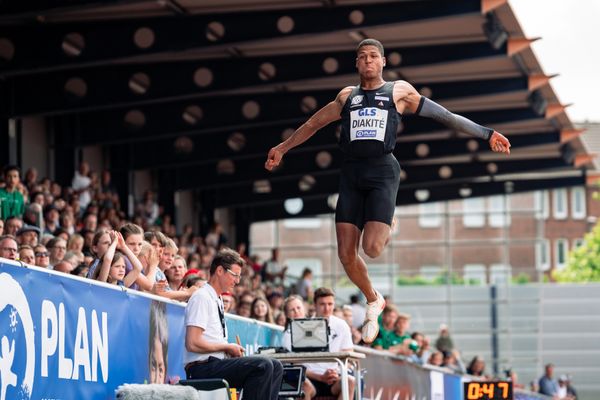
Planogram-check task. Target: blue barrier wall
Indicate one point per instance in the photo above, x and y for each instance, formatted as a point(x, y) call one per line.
point(63, 337)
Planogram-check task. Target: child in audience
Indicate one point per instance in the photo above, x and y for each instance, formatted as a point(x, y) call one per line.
point(134, 237)
point(100, 243)
point(113, 263)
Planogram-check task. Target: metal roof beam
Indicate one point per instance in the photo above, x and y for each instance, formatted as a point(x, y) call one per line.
point(42, 47)
point(115, 86)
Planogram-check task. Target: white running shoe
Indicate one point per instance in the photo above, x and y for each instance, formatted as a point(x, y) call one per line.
point(370, 327)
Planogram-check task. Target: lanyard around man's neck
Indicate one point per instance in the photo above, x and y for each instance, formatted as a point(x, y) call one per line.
point(221, 311)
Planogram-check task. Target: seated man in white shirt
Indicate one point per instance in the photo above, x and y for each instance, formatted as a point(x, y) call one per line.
point(208, 354)
point(326, 376)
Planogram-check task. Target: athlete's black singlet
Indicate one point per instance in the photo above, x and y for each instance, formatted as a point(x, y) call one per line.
point(370, 175)
point(369, 122)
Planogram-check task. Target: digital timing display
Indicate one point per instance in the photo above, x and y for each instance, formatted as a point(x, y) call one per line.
point(496, 390)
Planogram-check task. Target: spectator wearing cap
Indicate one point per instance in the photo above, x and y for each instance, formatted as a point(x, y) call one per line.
point(42, 256)
point(58, 249)
point(12, 203)
point(12, 225)
point(28, 235)
point(51, 219)
point(193, 280)
point(562, 388)
point(26, 254)
point(191, 273)
point(8, 247)
point(444, 342)
point(228, 301)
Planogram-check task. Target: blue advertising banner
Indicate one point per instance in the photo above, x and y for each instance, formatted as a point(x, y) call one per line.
point(453, 386)
point(64, 337)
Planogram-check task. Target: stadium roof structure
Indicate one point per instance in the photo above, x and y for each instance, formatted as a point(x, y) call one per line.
point(197, 91)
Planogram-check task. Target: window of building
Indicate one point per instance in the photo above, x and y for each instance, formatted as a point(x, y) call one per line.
point(578, 203)
point(474, 274)
point(560, 253)
point(430, 215)
point(500, 274)
point(542, 255)
point(542, 204)
point(430, 272)
point(474, 212)
point(498, 215)
point(559, 203)
point(578, 243)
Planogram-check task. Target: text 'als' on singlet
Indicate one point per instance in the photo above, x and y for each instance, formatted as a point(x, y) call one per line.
point(369, 122)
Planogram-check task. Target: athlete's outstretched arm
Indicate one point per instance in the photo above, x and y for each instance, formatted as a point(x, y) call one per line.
point(425, 107)
point(327, 114)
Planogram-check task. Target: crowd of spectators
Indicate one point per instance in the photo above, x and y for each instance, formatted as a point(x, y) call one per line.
point(81, 230)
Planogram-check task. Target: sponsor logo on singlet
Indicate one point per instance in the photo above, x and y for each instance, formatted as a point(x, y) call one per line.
point(368, 123)
point(356, 100)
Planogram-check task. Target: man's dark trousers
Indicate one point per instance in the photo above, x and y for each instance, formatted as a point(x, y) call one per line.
point(260, 377)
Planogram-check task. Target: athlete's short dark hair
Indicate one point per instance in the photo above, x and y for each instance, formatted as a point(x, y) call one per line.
point(371, 42)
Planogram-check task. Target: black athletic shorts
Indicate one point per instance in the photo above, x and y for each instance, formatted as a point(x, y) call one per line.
point(368, 190)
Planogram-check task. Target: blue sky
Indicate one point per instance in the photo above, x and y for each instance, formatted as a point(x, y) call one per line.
point(570, 46)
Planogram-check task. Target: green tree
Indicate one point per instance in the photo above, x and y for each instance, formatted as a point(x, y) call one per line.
point(583, 264)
